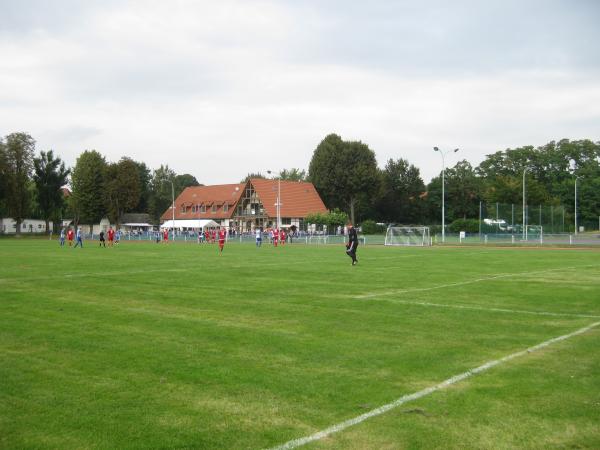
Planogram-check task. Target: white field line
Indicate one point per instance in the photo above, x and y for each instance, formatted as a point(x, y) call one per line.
point(414, 396)
point(463, 283)
point(503, 310)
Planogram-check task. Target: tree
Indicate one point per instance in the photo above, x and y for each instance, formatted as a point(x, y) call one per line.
point(160, 191)
point(293, 174)
point(252, 175)
point(183, 181)
point(122, 188)
point(87, 180)
point(401, 190)
point(50, 175)
point(144, 175)
point(3, 178)
point(463, 191)
point(18, 156)
point(343, 172)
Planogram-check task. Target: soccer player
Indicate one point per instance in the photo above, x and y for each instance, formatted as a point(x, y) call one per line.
point(275, 237)
point(258, 237)
point(352, 243)
point(79, 238)
point(70, 236)
point(117, 237)
point(166, 236)
point(102, 241)
point(222, 236)
point(111, 236)
point(282, 236)
point(62, 237)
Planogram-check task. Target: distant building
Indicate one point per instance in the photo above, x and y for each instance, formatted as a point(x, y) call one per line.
point(9, 226)
point(246, 206)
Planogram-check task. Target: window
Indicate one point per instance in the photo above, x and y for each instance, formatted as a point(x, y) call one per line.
point(202, 208)
point(286, 221)
point(182, 209)
point(213, 209)
point(225, 207)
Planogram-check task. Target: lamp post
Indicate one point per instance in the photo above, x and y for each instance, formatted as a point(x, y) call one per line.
point(576, 230)
point(173, 208)
point(278, 204)
point(443, 188)
point(524, 207)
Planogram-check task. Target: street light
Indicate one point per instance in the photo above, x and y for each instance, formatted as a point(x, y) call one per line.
point(576, 178)
point(524, 207)
point(173, 209)
point(278, 204)
point(443, 188)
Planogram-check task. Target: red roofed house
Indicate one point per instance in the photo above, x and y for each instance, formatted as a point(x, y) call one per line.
point(245, 207)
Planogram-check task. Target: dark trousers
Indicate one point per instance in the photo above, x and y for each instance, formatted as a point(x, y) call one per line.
point(351, 251)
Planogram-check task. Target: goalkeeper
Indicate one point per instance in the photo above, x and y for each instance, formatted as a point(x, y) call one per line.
point(352, 243)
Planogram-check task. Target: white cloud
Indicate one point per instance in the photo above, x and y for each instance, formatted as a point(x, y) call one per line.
point(219, 89)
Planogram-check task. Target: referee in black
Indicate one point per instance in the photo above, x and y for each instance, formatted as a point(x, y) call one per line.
point(352, 243)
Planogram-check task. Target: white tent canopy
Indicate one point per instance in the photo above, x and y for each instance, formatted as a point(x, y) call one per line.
point(190, 223)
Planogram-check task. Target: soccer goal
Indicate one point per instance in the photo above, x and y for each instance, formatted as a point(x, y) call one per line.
point(407, 236)
point(317, 239)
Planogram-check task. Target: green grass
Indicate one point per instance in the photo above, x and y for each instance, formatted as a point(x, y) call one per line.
point(152, 346)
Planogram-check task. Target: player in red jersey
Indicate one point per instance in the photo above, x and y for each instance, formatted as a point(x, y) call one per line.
point(282, 237)
point(275, 237)
point(222, 236)
point(214, 236)
point(111, 236)
point(70, 236)
point(166, 236)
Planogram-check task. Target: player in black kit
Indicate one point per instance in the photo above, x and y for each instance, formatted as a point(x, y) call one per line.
point(352, 243)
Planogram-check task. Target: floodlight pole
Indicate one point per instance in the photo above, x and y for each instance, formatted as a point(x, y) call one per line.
point(576, 178)
point(524, 206)
point(278, 204)
point(435, 149)
point(173, 208)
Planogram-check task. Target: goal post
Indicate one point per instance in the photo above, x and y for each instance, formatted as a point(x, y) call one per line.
point(418, 236)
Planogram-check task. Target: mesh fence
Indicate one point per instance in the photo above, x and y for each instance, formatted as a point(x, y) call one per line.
point(500, 218)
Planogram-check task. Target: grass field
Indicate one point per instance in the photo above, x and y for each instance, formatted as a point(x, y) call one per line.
point(151, 346)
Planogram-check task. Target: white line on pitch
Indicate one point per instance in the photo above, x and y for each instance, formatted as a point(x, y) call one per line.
point(462, 283)
point(504, 310)
point(414, 396)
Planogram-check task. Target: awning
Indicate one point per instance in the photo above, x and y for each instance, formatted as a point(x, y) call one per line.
point(190, 223)
point(134, 224)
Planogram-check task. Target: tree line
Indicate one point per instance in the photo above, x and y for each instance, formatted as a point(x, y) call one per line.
point(345, 173)
point(347, 176)
point(32, 186)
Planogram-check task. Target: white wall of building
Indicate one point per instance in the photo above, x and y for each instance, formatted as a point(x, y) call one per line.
point(28, 226)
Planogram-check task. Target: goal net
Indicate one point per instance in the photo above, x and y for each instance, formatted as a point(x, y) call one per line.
point(407, 236)
point(317, 239)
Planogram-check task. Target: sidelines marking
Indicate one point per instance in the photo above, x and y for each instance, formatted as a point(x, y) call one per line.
point(414, 396)
point(504, 310)
point(462, 283)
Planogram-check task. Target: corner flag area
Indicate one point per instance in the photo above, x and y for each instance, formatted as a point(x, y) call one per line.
point(152, 346)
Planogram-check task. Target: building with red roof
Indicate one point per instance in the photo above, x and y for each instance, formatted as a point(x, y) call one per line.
point(247, 206)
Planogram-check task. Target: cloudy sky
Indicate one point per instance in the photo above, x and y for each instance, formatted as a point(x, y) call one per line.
point(222, 88)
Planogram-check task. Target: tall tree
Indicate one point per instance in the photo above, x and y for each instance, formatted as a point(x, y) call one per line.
point(87, 181)
point(50, 175)
point(463, 190)
point(183, 181)
point(3, 179)
point(252, 175)
point(160, 191)
point(122, 188)
point(343, 172)
point(145, 176)
point(293, 174)
point(401, 190)
point(18, 154)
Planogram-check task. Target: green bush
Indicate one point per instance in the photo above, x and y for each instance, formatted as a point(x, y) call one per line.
point(370, 227)
point(468, 225)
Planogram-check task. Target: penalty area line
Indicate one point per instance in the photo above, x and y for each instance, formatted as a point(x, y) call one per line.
point(295, 443)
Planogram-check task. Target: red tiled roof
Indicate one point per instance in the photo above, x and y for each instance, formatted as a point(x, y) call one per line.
point(298, 199)
point(219, 194)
